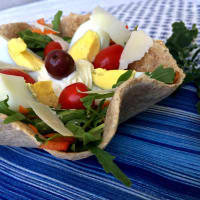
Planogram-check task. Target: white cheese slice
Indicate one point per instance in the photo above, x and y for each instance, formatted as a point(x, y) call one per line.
point(111, 25)
point(138, 44)
point(16, 89)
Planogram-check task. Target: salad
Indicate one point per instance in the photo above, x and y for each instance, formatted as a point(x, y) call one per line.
point(70, 83)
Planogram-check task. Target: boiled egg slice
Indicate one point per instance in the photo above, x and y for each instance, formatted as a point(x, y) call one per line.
point(90, 25)
point(4, 54)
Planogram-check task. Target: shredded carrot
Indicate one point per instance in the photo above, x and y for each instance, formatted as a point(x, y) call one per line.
point(34, 129)
point(55, 145)
point(23, 110)
point(60, 143)
point(106, 104)
point(45, 32)
point(41, 21)
point(176, 77)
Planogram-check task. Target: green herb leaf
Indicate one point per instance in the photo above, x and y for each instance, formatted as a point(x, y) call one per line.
point(39, 139)
point(79, 133)
point(67, 39)
point(64, 115)
point(56, 20)
point(106, 160)
point(165, 75)
point(14, 117)
point(88, 100)
point(186, 52)
point(4, 108)
point(124, 77)
point(34, 41)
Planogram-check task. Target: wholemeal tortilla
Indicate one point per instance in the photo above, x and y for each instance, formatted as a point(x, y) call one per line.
point(131, 98)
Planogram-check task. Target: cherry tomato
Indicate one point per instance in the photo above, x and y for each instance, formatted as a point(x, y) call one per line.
point(51, 46)
point(17, 72)
point(70, 97)
point(108, 58)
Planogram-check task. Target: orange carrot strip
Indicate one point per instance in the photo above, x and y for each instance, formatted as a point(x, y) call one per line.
point(56, 145)
point(176, 77)
point(46, 31)
point(34, 129)
point(41, 21)
point(23, 110)
point(106, 104)
point(36, 30)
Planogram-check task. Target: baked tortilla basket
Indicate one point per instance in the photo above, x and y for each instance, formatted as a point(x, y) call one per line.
point(131, 98)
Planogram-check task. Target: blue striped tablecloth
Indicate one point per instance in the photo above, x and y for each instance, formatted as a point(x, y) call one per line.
point(158, 149)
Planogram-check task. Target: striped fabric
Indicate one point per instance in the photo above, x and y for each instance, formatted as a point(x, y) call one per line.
point(159, 149)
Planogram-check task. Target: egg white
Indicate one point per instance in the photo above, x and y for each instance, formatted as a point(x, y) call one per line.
point(89, 25)
point(4, 54)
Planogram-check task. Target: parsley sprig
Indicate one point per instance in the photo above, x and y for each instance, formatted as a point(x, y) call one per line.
point(186, 52)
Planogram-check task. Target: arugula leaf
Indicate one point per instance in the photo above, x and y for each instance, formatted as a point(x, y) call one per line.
point(106, 160)
point(34, 41)
point(165, 75)
point(67, 39)
point(56, 20)
point(124, 77)
point(79, 133)
point(4, 107)
point(88, 100)
point(14, 117)
point(64, 115)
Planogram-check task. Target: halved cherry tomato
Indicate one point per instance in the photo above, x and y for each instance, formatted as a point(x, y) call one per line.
point(70, 96)
point(17, 72)
point(108, 58)
point(51, 46)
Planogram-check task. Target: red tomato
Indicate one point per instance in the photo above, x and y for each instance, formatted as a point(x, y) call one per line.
point(70, 97)
point(17, 72)
point(108, 58)
point(51, 46)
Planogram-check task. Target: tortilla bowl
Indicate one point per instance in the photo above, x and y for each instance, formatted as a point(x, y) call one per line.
point(131, 98)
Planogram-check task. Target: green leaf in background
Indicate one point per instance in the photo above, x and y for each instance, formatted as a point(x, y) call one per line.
point(56, 20)
point(124, 77)
point(106, 160)
point(165, 75)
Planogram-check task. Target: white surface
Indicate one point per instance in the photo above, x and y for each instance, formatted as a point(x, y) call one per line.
point(40, 9)
point(5, 4)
